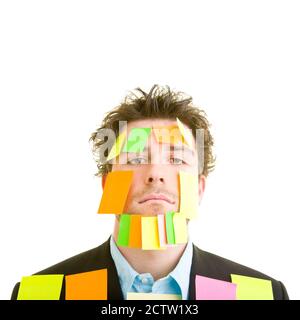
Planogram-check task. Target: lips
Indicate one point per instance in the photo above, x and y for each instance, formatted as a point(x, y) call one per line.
point(156, 196)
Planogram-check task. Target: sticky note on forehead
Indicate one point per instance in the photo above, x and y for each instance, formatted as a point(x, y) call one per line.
point(213, 289)
point(116, 148)
point(115, 192)
point(169, 134)
point(137, 140)
point(189, 197)
point(40, 287)
point(249, 288)
point(187, 134)
point(87, 285)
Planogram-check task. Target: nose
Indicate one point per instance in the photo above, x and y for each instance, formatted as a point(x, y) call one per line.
point(153, 180)
point(154, 175)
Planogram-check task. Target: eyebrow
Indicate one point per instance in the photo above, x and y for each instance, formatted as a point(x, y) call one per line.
point(172, 147)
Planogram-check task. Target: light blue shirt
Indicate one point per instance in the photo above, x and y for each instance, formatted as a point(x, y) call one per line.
point(176, 282)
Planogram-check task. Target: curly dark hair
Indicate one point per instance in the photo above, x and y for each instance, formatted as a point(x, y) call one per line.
point(159, 103)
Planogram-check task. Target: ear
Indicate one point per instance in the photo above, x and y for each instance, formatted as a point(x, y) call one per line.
point(103, 180)
point(201, 186)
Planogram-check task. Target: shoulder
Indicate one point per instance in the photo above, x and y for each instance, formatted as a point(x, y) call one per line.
point(217, 267)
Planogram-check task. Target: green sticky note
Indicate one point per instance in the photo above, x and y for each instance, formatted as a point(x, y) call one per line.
point(170, 228)
point(124, 229)
point(41, 287)
point(137, 140)
point(249, 288)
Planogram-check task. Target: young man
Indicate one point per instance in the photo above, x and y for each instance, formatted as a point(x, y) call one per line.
point(155, 190)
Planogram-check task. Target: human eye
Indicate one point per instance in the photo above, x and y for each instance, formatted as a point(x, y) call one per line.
point(137, 160)
point(176, 160)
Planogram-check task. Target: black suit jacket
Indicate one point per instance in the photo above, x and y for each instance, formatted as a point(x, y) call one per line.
point(203, 263)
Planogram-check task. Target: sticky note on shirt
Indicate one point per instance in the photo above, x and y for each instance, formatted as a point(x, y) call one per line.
point(189, 197)
point(137, 140)
point(180, 228)
point(170, 227)
point(115, 192)
point(41, 287)
point(213, 289)
point(150, 239)
point(90, 285)
point(187, 133)
point(152, 296)
point(116, 148)
point(135, 235)
point(124, 230)
point(249, 288)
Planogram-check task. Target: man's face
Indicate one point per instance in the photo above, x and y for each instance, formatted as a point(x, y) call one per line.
point(155, 185)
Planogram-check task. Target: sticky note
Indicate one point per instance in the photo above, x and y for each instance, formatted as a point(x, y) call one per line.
point(162, 230)
point(170, 227)
point(115, 192)
point(249, 288)
point(152, 296)
point(180, 228)
point(137, 140)
point(90, 285)
point(41, 287)
point(168, 134)
point(135, 235)
point(124, 229)
point(213, 289)
point(116, 148)
point(150, 240)
point(188, 194)
point(187, 133)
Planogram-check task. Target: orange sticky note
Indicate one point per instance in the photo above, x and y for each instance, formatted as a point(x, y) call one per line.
point(87, 285)
point(115, 192)
point(135, 236)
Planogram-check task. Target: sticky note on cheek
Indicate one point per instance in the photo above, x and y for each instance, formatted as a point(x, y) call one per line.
point(115, 192)
point(137, 140)
point(249, 288)
point(87, 285)
point(40, 287)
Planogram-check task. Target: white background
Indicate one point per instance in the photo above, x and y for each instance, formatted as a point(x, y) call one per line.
point(64, 63)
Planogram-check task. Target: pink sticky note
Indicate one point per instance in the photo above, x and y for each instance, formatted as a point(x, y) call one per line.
point(162, 230)
point(212, 289)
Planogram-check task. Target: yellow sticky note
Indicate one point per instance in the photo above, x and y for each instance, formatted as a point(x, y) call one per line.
point(150, 238)
point(180, 228)
point(249, 288)
point(187, 133)
point(168, 134)
point(189, 197)
point(90, 285)
point(152, 296)
point(41, 287)
point(115, 192)
point(116, 148)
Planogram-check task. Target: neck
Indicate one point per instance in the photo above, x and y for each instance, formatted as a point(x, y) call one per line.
point(157, 262)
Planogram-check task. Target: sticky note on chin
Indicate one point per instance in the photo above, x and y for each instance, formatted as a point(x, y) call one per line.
point(40, 287)
point(90, 285)
point(115, 192)
point(249, 288)
point(150, 237)
point(137, 140)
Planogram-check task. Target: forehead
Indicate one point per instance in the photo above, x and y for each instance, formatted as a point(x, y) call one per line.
point(149, 123)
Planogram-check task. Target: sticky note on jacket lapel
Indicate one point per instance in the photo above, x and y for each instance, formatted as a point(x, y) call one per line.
point(116, 148)
point(115, 192)
point(90, 285)
point(152, 296)
point(189, 197)
point(41, 287)
point(249, 288)
point(137, 140)
point(213, 289)
point(150, 239)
